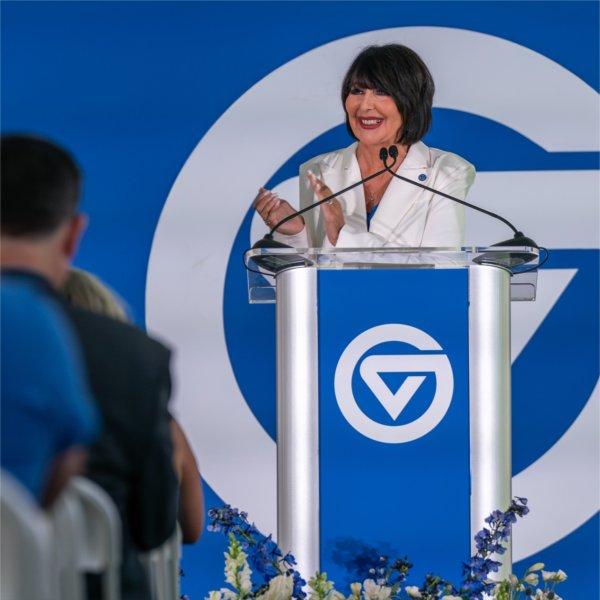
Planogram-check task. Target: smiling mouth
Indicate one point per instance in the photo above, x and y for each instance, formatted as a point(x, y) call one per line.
point(370, 123)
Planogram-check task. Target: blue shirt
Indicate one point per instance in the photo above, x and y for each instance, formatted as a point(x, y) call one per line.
point(46, 405)
point(371, 214)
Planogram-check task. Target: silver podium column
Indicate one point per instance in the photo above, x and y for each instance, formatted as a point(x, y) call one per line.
point(298, 417)
point(490, 398)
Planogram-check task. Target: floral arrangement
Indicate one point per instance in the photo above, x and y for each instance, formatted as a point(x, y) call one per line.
point(256, 569)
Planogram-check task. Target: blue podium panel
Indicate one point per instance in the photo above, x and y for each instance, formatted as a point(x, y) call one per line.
point(394, 418)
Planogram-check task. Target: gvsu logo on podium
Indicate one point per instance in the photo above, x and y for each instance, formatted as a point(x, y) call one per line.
point(420, 366)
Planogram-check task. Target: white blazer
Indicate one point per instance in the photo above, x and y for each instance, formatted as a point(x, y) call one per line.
point(406, 216)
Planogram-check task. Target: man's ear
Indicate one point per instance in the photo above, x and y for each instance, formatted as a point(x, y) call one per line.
point(76, 227)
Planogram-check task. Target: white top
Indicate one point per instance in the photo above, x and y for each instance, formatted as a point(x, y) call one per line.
point(406, 216)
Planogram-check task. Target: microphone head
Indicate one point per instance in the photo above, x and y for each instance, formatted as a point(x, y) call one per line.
point(518, 240)
point(383, 154)
point(267, 242)
point(393, 151)
point(275, 263)
point(511, 258)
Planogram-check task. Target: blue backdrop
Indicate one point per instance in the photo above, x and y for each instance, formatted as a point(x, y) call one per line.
point(131, 88)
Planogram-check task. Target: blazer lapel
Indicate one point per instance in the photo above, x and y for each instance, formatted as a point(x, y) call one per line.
point(340, 169)
point(400, 197)
point(344, 171)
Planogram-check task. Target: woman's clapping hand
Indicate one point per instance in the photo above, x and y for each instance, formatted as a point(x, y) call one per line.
point(332, 210)
point(273, 209)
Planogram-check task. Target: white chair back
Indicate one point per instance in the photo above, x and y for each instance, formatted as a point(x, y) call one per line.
point(68, 525)
point(26, 548)
point(100, 550)
point(162, 568)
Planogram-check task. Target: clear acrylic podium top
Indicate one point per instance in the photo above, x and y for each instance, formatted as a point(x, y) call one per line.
point(263, 264)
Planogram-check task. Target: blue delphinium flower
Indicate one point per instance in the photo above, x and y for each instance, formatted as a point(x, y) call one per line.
point(488, 541)
point(264, 556)
point(268, 561)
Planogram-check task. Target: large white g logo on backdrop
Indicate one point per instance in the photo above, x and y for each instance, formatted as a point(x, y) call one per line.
point(476, 73)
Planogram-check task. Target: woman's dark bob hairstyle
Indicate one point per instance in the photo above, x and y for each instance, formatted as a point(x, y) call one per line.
point(399, 72)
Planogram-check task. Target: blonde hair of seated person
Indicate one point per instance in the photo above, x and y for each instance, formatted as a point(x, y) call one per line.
point(84, 290)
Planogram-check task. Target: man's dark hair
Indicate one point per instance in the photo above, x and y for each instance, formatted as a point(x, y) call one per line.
point(40, 186)
point(399, 72)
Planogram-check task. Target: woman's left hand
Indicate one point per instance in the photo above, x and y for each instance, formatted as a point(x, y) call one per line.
point(332, 210)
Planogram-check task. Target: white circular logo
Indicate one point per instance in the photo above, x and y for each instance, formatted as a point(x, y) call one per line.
point(394, 403)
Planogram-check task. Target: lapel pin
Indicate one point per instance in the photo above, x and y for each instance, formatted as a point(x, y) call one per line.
point(422, 177)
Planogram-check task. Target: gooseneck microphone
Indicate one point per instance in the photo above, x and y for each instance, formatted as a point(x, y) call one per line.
point(276, 263)
point(519, 239)
point(268, 242)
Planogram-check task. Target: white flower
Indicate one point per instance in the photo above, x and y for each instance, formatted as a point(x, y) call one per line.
point(413, 591)
point(502, 590)
point(222, 594)
point(373, 591)
point(245, 581)
point(560, 576)
point(280, 588)
point(321, 587)
point(555, 576)
point(237, 571)
point(536, 567)
point(531, 578)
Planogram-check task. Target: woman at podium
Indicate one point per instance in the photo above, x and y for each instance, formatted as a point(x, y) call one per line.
point(387, 95)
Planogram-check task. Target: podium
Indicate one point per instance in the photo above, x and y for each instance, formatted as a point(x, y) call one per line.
point(393, 400)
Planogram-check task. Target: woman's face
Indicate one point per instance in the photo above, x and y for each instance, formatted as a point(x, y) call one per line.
point(373, 116)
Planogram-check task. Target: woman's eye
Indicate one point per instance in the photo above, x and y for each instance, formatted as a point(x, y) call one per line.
point(355, 91)
point(381, 93)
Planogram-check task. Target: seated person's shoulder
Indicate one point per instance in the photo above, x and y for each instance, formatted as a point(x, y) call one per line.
point(29, 319)
point(22, 302)
point(124, 338)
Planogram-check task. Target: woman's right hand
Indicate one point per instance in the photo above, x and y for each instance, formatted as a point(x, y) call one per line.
point(273, 209)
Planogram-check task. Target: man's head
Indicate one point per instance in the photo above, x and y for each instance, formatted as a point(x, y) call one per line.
point(40, 192)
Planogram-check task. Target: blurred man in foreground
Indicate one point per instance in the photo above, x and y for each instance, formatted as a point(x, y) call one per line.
point(128, 371)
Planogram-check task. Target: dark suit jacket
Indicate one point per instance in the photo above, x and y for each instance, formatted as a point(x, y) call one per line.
point(132, 459)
